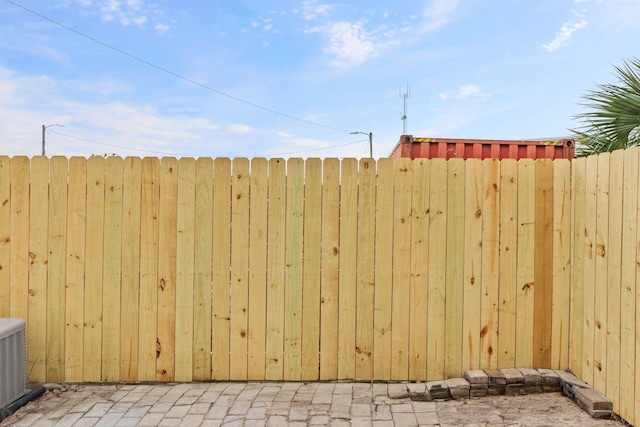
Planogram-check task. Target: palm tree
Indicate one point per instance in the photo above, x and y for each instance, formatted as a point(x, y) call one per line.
point(614, 119)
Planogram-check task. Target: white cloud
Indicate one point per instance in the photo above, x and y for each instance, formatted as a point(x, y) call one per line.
point(564, 36)
point(34, 100)
point(125, 12)
point(350, 43)
point(438, 13)
point(464, 92)
point(311, 10)
point(239, 129)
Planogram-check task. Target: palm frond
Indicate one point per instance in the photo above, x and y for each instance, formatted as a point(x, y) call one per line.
point(613, 119)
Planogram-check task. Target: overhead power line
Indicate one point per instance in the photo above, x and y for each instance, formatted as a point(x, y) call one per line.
point(185, 155)
point(174, 74)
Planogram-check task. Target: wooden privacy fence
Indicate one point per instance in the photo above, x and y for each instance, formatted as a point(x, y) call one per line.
point(161, 270)
point(605, 300)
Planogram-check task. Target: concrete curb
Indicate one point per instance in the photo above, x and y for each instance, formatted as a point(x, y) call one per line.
point(508, 382)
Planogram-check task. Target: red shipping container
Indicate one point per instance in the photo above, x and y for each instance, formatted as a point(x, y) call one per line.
point(448, 148)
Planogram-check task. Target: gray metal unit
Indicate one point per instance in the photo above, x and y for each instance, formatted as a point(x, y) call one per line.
point(13, 360)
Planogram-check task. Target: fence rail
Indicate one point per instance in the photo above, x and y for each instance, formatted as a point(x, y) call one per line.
point(216, 269)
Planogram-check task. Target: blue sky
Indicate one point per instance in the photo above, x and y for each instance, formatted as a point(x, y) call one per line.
point(288, 78)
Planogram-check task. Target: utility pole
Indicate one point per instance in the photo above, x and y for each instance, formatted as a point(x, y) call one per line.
point(370, 141)
point(44, 128)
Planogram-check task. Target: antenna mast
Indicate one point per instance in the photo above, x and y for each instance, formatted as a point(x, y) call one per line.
point(405, 96)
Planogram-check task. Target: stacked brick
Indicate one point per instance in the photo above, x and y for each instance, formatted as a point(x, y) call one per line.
point(511, 382)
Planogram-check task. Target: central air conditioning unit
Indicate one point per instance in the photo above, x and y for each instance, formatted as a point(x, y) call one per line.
point(13, 360)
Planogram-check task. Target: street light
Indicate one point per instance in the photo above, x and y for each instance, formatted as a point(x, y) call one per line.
point(370, 141)
point(43, 130)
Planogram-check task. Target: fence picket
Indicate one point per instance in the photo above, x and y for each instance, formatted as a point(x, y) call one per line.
point(472, 282)
point(384, 271)
point(614, 273)
point(185, 252)
point(38, 261)
point(276, 270)
point(94, 250)
point(561, 280)
point(167, 243)
point(401, 259)
point(5, 235)
point(56, 268)
point(115, 216)
point(240, 184)
point(578, 193)
point(347, 271)
point(589, 256)
point(19, 229)
point(149, 246)
point(257, 268)
point(220, 311)
point(490, 263)
point(628, 285)
point(507, 290)
point(329, 278)
point(543, 273)
point(203, 253)
point(525, 286)
point(310, 351)
point(455, 268)
point(75, 279)
point(602, 260)
point(420, 356)
point(365, 265)
point(437, 247)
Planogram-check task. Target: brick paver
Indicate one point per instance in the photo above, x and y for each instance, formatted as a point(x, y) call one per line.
point(292, 404)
